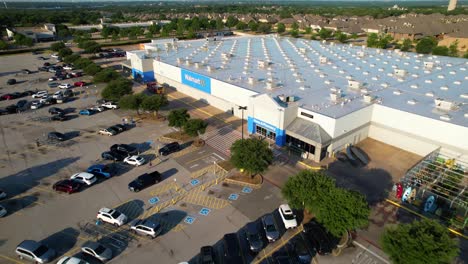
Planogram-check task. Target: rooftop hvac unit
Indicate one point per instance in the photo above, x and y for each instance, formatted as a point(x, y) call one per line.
point(270, 85)
point(262, 64)
point(197, 65)
point(354, 84)
point(414, 86)
point(464, 96)
point(400, 72)
point(323, 59)
point(397, 92)
point(179, 60)
point(188, 61)
point(428, 64)
point(430, 94)
point(360, 54)
point(445, 117)
point(444, 104)
point(251, 80)
point(364, 91)
point(335, 96)
point(210, 68)
point(302, 50)
point(412, 101)
point(369, 98)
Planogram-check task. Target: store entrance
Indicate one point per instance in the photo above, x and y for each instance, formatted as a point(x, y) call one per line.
point(265, 132)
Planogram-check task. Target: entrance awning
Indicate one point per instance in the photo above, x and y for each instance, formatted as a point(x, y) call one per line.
point(307, 131)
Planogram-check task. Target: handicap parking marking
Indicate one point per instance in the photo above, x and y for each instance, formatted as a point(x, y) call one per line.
point(194, 182)
point(154, 200)
point(233, 196)
point(246, 189)
point(205, 211)
point(189, 220)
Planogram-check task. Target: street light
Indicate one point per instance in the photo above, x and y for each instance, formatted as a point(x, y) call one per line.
point(242, 108)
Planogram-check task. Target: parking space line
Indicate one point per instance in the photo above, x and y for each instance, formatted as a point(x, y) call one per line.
point(11, 259)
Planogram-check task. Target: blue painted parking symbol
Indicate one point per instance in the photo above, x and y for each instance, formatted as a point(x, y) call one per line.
point(194, 182)
point(189, 220)
point(246, 190)
point(153, 200)
point(233, 196)
point(205, 211)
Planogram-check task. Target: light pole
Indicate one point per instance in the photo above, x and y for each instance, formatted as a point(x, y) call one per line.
point(242, 108)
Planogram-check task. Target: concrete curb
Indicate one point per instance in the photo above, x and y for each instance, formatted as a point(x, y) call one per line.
point(241, 183)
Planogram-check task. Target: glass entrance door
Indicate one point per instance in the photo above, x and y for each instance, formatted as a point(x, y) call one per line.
point(265, 132)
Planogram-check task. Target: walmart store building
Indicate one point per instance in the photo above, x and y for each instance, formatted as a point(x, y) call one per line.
point(317, 98)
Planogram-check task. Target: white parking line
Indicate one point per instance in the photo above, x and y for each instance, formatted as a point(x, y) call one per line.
point(218, 156)
point(193, 166)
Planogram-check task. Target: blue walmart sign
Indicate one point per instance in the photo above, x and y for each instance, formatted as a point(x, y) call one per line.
point(195, 80)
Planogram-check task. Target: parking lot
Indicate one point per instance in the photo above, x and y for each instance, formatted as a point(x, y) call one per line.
point(193, 212)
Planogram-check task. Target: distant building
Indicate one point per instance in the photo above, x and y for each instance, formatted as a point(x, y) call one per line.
point(38, 34)
point(452, 5)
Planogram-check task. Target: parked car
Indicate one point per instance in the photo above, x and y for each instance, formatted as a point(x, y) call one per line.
point(52, 84)
point(46, 64)
point(55, 55)
point(7, 97)
point(68, 186)
point(11, 109)
point(52, 78)
point(71, 260)
point(287, 215)
point(36, 104)
point(100, 170)
point(98, 108)
point(116, 129)
point(124, 148)
point(47, 100)
point(107, 132)
point(76, 74)
point(3, 111)
point(26, 71)
point(56, 111)
point(68, 93)
point(169, 148)
point(302, 251)
point(65, 86)
point(111, 216)
point(110, 105)
point(40, 94)
point(319, 238)
point(3, 211)
point(97, 250)
point(57, 94)
point(79, 84)
point(3, 194)
point(113, 155)
point(143, 181)
point(269, 226)
point(56, 136)
point(254, 237)
point(120, 127)
point(84, 177)
point(68, 68)
point(21, 104)
point(231, 245)
point(207, 255)
point(34, 251)
point(44, 69)
point(86, 112)
point(135, 160)
point(11, 81)
point(146, 228)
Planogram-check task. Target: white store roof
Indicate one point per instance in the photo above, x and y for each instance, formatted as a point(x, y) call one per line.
point(310, 71)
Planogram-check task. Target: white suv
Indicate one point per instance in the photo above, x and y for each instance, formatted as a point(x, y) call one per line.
point(146, 227)
point(65, 86)
point(287, 215)
point(111, 216)
point(40, 94)
point(109, 105)
point(84, 177)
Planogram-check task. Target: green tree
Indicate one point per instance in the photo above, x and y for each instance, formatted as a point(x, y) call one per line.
point(264, 28)
point(406, 45)
point(149, 35)
point(65, 52)
point(57, 46)
point(308, 30)
point(337, 209)
point(71, 58)
point(253, 25)
point(294, 33)
point(420, 242)
point(178, 117)
point(195, 126)
point(89, 46)
point(3, 45)
point(92, 69)
point(294, 26)
point(22, 40)
point(372, 40)
point(280, 28)
point(241, 26)
point(341, 37)
point(132, 102)
point(441, 51)
point(219, 24)
point(81, 63)
point(252, 155)
point(154, 29)
point(425, 45)
point(116, 89)
point(231, 21)
point(154, 103)
point(106, 75)
point(453, 49)
point(325, 33)
point(465, 55)
point(354, 36)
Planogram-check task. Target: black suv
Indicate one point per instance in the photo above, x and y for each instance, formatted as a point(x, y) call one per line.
point(254, 237)
point(113, 155)
point(231, 245)
point(144, 181)
point(124, 148)
point(207, 255)
point(169, 148)
point(56, 136)
point(11, 81)
point(56, 111)
point(319, 238)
